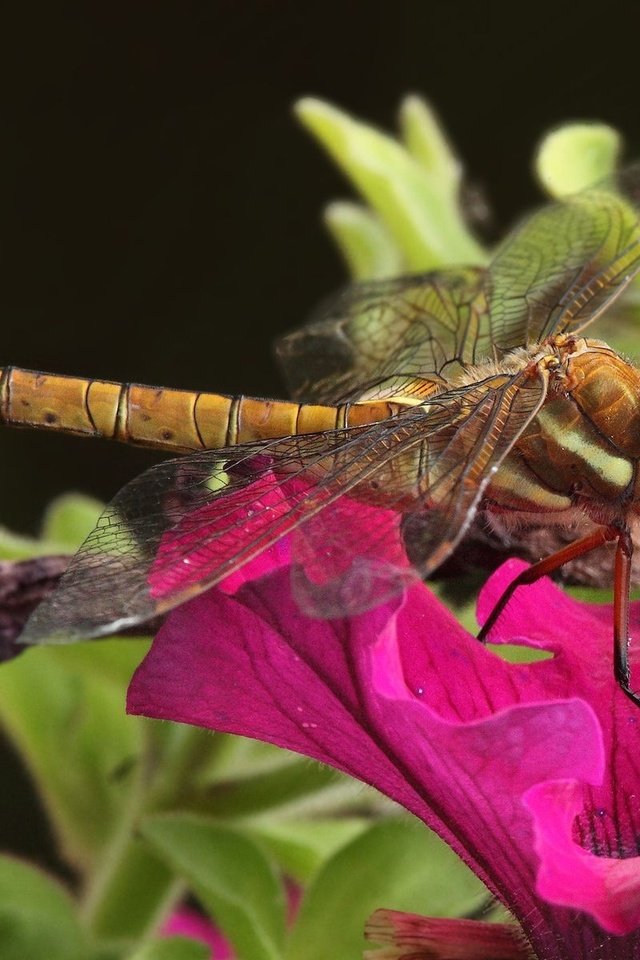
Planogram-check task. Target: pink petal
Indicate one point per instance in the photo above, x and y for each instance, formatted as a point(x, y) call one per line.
point(253, 664)
point(569, 875)
point(528, 771)
point(204, 542)
point(586, 838)
point(191, 924)
point(193, 552)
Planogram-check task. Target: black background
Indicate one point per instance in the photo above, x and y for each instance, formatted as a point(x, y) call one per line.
point(161, 207)
point(160, 215)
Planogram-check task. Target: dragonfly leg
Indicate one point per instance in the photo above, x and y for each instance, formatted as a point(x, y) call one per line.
point(543, 567)
point(621, 585)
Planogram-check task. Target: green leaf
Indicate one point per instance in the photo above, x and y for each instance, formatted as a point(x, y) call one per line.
point(71, 730)
point(421, 216)
point(37, 917)
point(69, 519)
point(16, 547)
point(427, 141)
point(301, 847)
point(245, 778)
point(172, 948)
point(113, 661)
point(365, 243)
point(243, 795)
point(67, 522)
point(127, 890)
point(576, 156)
point(397, 864)
point(230, 875)
point(85, 756)
point(241, 757)
point(110, 950)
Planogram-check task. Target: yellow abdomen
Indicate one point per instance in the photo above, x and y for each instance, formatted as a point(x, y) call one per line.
point(175, 420)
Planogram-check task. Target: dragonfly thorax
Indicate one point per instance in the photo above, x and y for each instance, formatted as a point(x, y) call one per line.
point(582, 448)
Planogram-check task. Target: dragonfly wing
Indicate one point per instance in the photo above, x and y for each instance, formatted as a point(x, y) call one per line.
point(428, 326)
point(467, 433)
point(346, 561)
point(566, 263)
point(186, 524)
point(464, 465)
point(557, 272)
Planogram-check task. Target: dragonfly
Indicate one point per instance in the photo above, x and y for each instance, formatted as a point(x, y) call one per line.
point(419, 403)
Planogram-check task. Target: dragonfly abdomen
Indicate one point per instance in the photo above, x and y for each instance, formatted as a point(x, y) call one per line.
point(174, 420)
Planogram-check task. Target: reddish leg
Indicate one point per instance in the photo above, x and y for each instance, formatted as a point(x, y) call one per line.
point(621, 585)
point(540, 569)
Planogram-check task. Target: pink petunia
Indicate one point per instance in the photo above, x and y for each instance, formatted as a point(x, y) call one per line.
point(188, 923)
point(530, 772)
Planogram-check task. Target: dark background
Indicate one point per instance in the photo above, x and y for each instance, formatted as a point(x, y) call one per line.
point(160, 206)
point(160, 216)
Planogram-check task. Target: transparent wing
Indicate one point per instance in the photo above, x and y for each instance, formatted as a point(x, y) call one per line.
point(428, 325)
point(566, 263)
point(556, 272)
point(187, 524)
point(403, 540)
point(463, 466)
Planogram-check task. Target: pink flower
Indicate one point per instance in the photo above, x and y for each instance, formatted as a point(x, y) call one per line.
point(530, 772)
point(191, 924)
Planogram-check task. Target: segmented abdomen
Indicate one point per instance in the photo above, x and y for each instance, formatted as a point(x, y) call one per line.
point(177, 420)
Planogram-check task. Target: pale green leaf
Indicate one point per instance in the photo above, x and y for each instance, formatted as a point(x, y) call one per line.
point(13, 546)
point(365, 243)
point(420, 215)
point(301, 847)
point(428, 143)
point(37, 917)
point(576, 156)
point(69, 519)
point(171, 948)
point(231, 877)
point(72, 732)
point(397, 864)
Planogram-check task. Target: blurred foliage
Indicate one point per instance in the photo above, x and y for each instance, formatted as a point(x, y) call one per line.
point(66, 523)
point(145, 813)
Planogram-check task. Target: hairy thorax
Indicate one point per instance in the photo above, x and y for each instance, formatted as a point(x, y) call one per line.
point(581, 451)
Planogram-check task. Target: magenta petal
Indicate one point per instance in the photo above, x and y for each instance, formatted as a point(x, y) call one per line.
point(496, 757)
point(569, 875)
point(276, 556)
point(587, 840)
point(187, 557)
point(186, 922)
